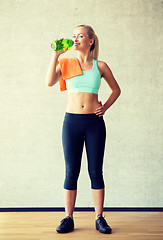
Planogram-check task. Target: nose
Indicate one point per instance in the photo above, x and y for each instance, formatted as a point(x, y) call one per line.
point(76, 39)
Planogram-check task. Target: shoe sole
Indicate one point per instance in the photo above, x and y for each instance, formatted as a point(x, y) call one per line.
point(58, 231)
point(109, 232)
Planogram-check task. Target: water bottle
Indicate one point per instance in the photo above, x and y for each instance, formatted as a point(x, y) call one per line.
point(62, 44)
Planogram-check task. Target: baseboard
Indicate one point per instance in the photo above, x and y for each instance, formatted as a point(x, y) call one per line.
point(83, 209)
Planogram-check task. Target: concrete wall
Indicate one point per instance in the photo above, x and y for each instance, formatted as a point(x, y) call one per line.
point(31, 114)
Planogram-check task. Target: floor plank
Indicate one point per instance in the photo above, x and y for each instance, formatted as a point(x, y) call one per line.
point(42, 225)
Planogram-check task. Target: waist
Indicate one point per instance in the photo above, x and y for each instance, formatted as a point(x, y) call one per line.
point(82, 103)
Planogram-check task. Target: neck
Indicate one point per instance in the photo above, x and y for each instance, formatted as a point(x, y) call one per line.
point(84, 57)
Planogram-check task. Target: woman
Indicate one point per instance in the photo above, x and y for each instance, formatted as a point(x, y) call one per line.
point(84, 123)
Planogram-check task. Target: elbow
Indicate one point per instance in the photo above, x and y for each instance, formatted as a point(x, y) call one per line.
point(117, 91)
point(49, 83)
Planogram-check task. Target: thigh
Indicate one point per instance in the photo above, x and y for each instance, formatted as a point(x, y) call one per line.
point(73, 141)
point(95, 145)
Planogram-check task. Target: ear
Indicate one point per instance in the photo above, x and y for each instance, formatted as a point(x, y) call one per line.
point(91, 41)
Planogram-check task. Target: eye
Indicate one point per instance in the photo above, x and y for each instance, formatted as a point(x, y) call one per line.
point(81, 36)
point(73, 36)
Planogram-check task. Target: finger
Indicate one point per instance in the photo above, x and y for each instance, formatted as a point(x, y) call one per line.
point(66, 49)
point(99, 113)
point(98, 110)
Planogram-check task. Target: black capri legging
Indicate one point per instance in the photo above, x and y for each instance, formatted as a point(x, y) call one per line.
point(77, 129)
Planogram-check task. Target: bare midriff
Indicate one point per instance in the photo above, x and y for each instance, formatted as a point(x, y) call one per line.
point(82, 103)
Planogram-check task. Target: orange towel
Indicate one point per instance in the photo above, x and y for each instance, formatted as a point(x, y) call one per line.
point(70, 67)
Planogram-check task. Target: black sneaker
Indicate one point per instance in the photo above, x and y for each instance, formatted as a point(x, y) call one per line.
point(67, 225)
point(102, 226)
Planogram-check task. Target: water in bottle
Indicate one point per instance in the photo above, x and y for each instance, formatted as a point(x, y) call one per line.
point(62, 44)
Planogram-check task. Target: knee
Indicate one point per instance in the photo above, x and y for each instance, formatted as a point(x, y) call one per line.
point(97, 181)
point(70, 182)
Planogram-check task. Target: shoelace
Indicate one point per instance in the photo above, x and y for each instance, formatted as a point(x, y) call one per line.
point(103, 221)
point(64, 221)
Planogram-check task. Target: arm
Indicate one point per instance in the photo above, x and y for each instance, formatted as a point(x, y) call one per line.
point(54, 72)
point(116, 91)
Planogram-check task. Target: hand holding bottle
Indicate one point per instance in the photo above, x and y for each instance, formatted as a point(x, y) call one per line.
point(59, 46)
point(62, 44)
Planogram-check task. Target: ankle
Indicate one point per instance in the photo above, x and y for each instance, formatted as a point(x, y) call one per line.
point(70, 215)
point(98, 216)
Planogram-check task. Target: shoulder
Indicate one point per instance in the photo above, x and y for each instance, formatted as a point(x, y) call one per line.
point(103, 67)
point(102, 64)
point(66, 62)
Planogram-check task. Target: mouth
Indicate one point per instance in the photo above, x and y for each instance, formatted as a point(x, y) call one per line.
point(76, 44)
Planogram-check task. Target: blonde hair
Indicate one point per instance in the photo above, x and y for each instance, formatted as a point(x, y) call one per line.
point(95, 46)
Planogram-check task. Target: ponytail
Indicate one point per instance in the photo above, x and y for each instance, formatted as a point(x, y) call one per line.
point(95, 48)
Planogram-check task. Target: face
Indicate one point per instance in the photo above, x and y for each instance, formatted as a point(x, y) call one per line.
point(81, 39)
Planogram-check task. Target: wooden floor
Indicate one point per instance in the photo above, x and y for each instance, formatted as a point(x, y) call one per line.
point(42, 225)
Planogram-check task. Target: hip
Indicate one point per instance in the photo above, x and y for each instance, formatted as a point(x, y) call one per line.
point(83, 119)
